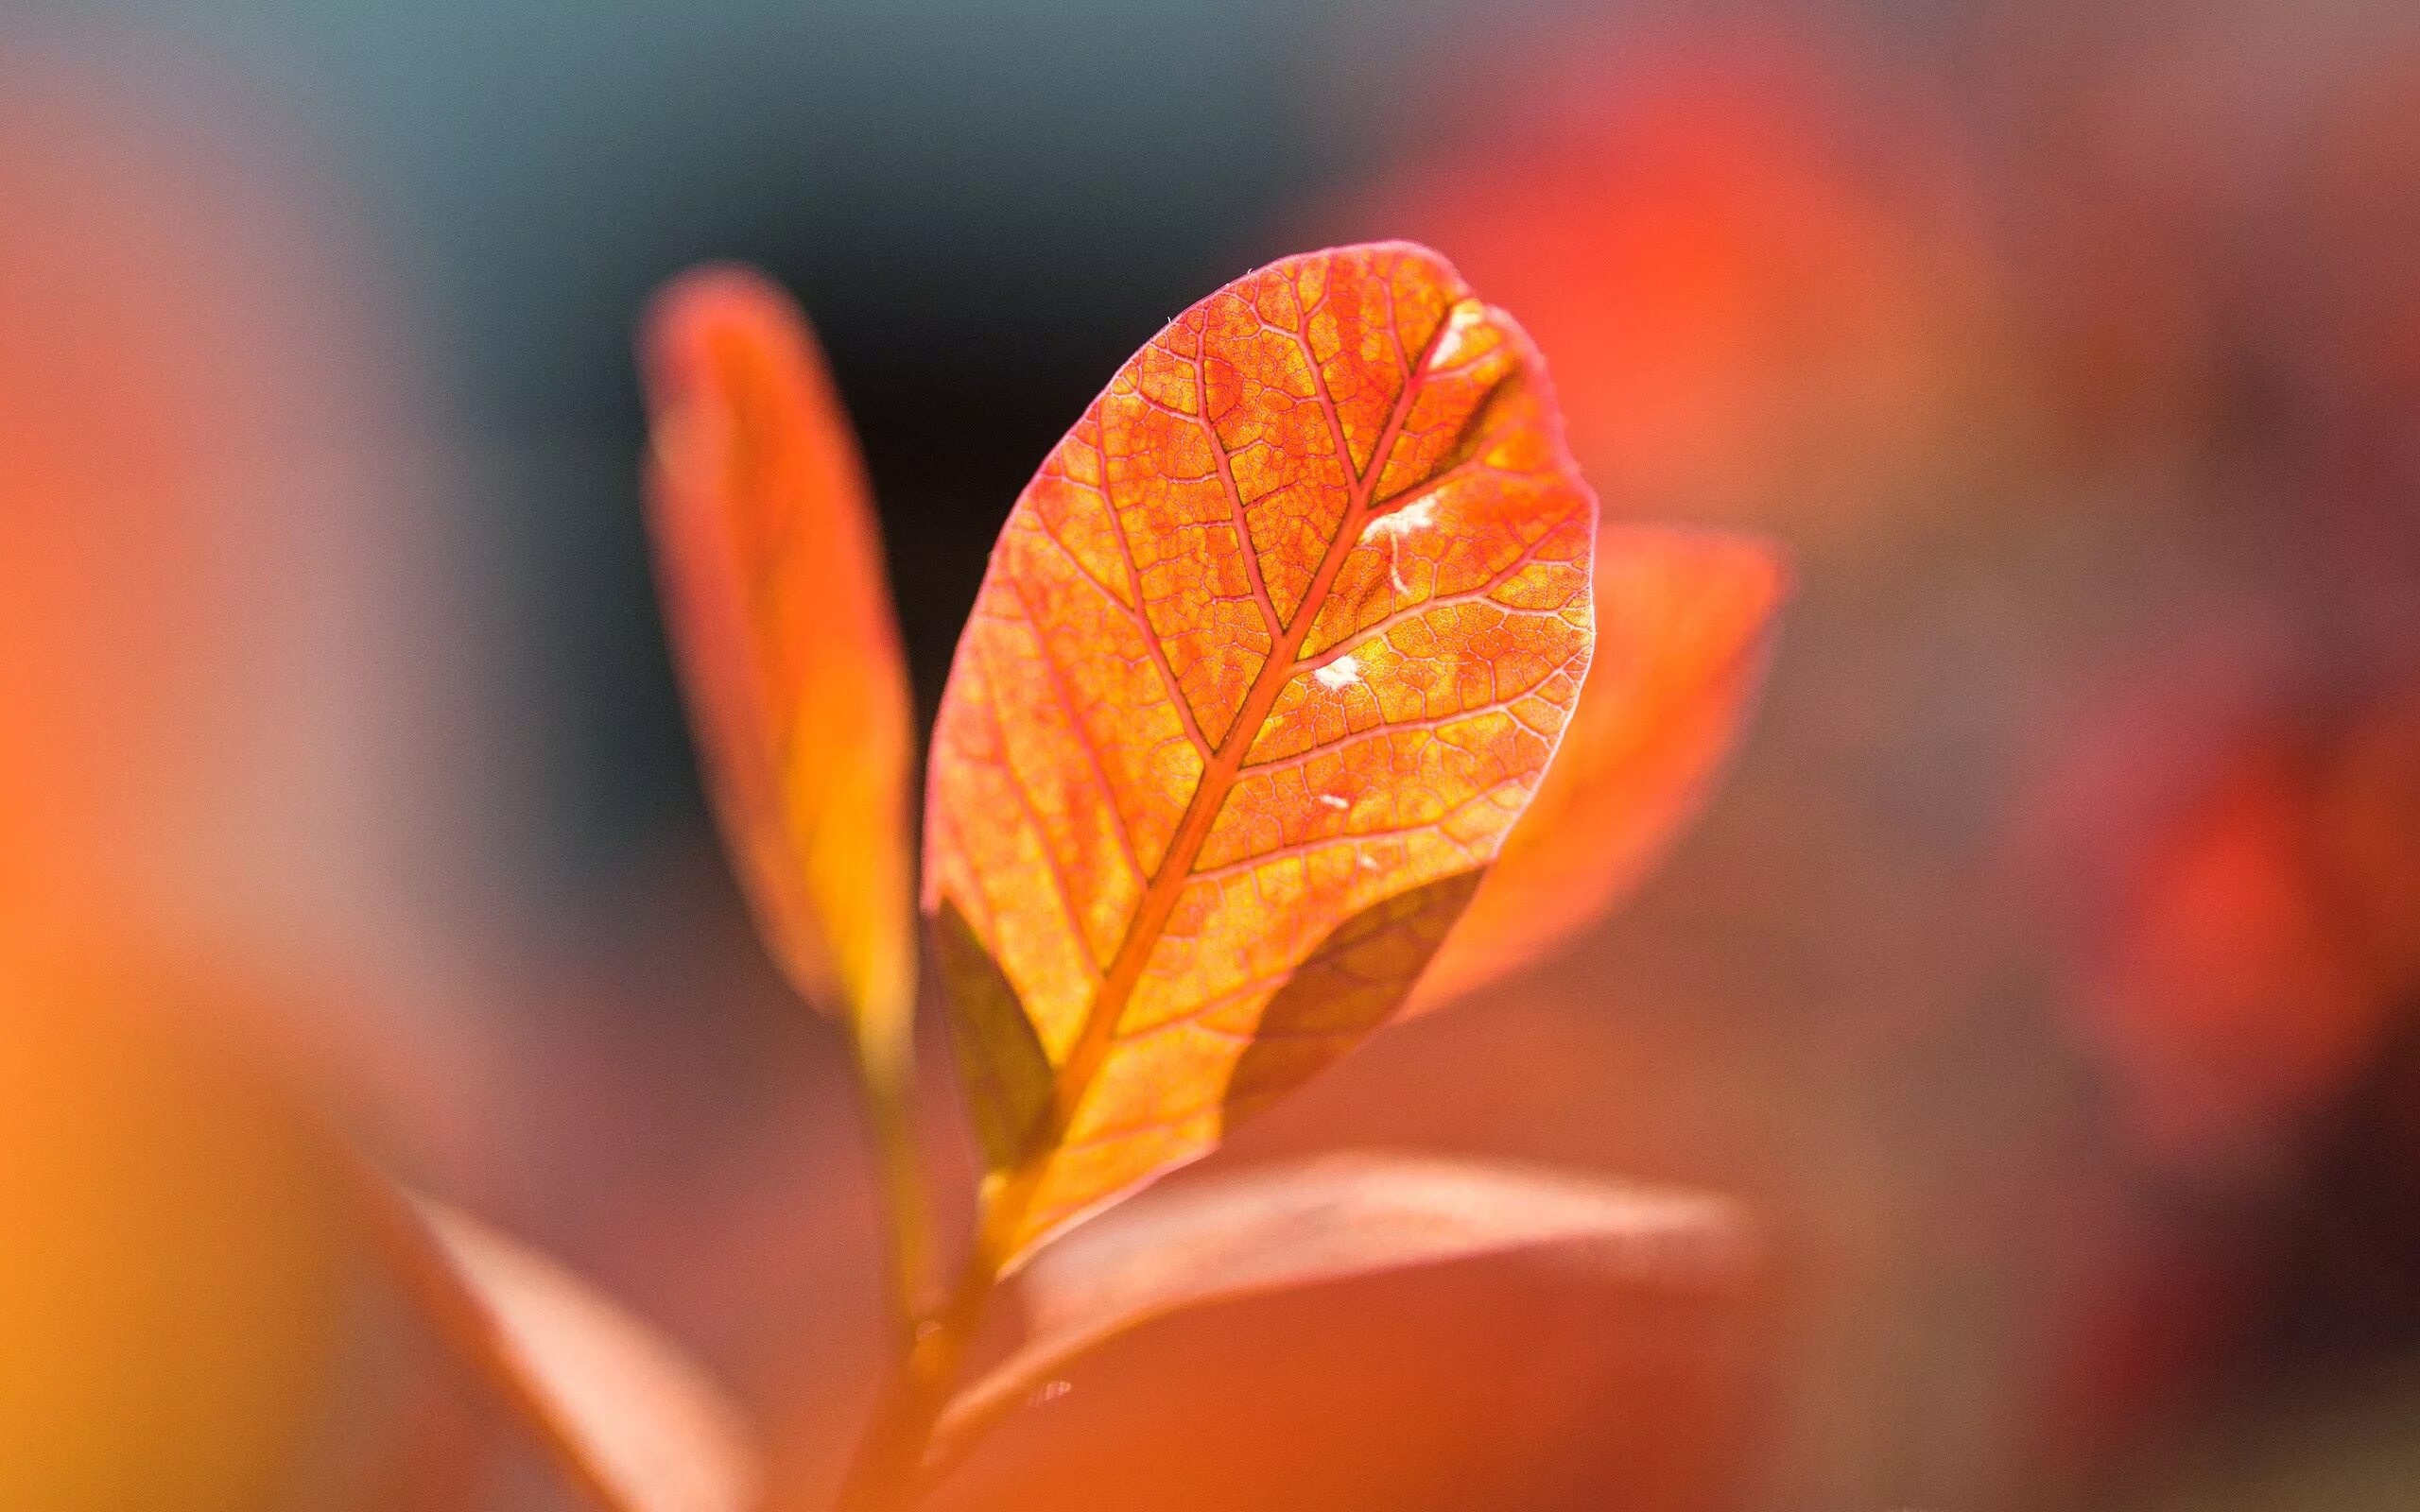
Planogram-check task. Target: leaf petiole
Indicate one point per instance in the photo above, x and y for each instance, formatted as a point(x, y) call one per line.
point(883, 1048)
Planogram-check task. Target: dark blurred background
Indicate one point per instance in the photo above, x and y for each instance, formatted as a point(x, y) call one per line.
point(2044, 975)
point(985, 207)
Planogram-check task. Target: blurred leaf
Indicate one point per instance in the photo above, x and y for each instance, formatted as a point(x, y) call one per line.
point(616, 1405)
point(1328, 1219)
point(779, 615)
point(1271, 653)
point(175, 1261)
point(1684, 619)
point(1759, 280)
point(2240, 908)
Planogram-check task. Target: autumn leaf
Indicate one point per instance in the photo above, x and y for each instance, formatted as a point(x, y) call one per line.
point(1684, 619)
point(771, 572)
point(1330, 1219)
point(1271, 653)
point(780, 613)
point(614, 1405)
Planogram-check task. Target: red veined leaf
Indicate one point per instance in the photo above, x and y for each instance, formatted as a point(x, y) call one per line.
point(1684, 619)
point(616, 1407)
point(1330, 1219)
point(1271, 654)
point(781, 619)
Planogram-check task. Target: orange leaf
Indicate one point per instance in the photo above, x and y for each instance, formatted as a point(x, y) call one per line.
point(1331, 1219)
point(1684, 619)
point(781, 619)
point(616, 1406)
point(1272, 652)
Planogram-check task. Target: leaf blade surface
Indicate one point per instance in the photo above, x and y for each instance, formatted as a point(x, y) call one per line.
point(1285, 631)
point(779, 611)
point(616, 1405)
point(1328, 1219)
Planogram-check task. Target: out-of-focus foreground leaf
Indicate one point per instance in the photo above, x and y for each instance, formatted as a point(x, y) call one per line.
point(182, 1244)
point(1684, 619)
point(781, 620)
point(1271, 653)
point(1331, 1219)
point(174, 1252)
point(617, 1407)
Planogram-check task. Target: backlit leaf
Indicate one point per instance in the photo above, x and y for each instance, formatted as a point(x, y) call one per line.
point(1330, 1219)
point(1272, 652)
point(616, 1405)
point(1684, 621)
point(781, 619)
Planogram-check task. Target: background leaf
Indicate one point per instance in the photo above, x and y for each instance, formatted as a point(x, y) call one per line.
point(1684, 621)
point(1328, 1219)
point(1284, 631)
point(781, 620)
point(616, 1405)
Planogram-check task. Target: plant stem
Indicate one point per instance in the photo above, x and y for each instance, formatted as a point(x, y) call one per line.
point(884, 1047)
point(885, 1470)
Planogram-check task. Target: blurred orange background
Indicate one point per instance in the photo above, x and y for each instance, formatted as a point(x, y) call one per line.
point(2045, 973)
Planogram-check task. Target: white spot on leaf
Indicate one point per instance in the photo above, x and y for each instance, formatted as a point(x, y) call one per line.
point(1466, 317)
point(1392, 528)
point(1339, 673)
point(1418, 514)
